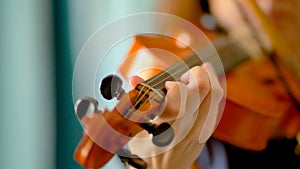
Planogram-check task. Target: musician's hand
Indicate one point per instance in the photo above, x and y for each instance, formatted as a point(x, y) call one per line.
point(192, 109)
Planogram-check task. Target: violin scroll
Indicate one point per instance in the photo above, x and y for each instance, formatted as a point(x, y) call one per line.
point(106, 133)
point(163, 134)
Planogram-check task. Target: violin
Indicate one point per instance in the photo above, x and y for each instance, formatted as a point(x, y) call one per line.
point(257, 103)
point(135, 110)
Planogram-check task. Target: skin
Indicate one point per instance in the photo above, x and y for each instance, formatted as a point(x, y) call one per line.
point(181, 100)
point(188, 109)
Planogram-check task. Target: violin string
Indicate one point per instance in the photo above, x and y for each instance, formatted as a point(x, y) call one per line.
point(232, 43)
point(154, 79)
point(136, 101)
point(163, 80)
point(148, 99)
point(141, 97)
point(158, 80)
point(138, 95)
point(209, 56)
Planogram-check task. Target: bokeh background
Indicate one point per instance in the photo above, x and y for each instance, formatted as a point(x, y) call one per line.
point(39, 43)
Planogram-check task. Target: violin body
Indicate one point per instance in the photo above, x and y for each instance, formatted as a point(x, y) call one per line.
point(258, 107)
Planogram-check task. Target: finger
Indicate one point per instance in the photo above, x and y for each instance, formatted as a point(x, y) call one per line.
point(135, 80)
point(214, 111)
point(206, 117)
point(196, 79)
point(217, 89)
point(175, 100)
point(198, 83)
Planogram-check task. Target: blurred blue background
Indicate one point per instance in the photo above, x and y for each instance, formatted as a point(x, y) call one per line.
point(40, 40)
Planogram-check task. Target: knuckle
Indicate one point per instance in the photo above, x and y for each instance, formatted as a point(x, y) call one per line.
point(203, 84)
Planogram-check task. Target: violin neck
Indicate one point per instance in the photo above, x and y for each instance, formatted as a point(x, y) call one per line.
point(173, 73)
point(230, 55)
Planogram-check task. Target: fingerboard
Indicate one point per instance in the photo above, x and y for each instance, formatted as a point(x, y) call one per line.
point(230, 55)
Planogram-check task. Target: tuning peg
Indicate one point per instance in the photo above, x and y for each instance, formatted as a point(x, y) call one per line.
point(111, 86)
point(163, 134)
point(85, 106)
point(131, 159)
